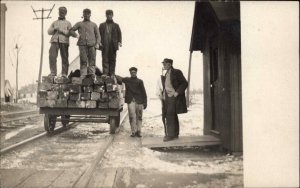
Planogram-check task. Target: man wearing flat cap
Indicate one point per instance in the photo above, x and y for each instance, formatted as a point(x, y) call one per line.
point(60, 31)
point(88, 42)
point(136, 99)
point(111, 38)
point(171, 91)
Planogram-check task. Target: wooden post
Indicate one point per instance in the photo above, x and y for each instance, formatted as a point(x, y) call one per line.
point(17, 73)
point(189, 79)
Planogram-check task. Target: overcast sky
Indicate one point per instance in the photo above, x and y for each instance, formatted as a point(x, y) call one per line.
point(151, 31)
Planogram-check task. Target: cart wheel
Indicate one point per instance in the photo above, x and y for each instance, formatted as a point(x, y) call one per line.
point(112, 123)
point(65, 120)
point(118, 121)
point(49, 123)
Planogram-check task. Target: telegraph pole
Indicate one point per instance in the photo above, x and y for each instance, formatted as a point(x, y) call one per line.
point(17, 67)
point(42, 36)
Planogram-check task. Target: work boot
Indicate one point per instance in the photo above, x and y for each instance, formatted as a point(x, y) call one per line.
point(64, 76)
point(133, 134)
point(93, 76)
point(167, 138)
point(52, 74)
point(138, 134)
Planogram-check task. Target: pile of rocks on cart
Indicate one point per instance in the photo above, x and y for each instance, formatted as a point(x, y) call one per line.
point(60, 92)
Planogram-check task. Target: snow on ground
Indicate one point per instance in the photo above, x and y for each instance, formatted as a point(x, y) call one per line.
point(73, 149)
point(128, 152)
point(28, 100)
point(16, 132)
point(88, 130)
point(191, 123)
point(85, 139)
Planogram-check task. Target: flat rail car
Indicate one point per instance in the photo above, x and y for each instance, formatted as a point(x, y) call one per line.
point(78, 99)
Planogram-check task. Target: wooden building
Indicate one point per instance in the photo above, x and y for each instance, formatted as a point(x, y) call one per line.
point(216, 33)
point(8, 92)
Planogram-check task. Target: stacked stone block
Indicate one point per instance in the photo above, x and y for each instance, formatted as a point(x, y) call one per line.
point(59, 92)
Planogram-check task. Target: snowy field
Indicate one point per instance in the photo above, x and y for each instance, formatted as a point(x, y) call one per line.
point(191, 123)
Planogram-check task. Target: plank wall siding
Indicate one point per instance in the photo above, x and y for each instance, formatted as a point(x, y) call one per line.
point(227, 88)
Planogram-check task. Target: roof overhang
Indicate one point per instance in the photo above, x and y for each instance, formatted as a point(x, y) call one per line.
point(211, 13)
point(226, 11)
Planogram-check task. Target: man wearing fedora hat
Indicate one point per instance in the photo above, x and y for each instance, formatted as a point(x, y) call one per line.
point(172, 95)
point(136, 98)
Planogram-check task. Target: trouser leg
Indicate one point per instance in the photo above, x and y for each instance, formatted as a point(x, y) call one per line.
point(105, 65)
point(164, 111)
point(139, 116)
point(64, 53)
point(171, 117)
point(132, 116)
point(112, 61)
point(83, 60)
point(91, 60)
point(53, 52)
point(176, 125)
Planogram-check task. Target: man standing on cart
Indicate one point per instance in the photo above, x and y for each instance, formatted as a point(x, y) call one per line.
point(59, 30)
point(88, 42)
point(111, 38)
point(136, 98)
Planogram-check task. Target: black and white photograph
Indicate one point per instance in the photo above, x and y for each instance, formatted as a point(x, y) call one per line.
point(140, 94)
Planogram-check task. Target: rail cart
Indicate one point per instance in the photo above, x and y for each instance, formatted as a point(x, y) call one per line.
point(66, 115)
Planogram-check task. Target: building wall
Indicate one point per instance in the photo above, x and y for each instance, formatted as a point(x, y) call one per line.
point(206, 90)
point(224, 88)
point(230, 59)
point(227, 88)
point(2, 54)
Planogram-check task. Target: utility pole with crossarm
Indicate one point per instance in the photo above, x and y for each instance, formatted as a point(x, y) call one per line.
point(42, 43)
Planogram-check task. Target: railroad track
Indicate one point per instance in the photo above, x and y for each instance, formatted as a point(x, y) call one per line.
point(57, 130)
point(16, 116)
point(84, 179)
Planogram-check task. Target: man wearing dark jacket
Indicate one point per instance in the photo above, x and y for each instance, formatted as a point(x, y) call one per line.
point(136, 98)
point(172, 95)
point(111, 38)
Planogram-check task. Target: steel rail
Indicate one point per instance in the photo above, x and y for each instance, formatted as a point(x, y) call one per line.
point(2, 151)
point(85, 177)
point(18, 112)
point(19, 118)
point(57, 129)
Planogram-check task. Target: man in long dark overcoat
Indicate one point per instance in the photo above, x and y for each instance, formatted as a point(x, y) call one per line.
point(172, 95)
point(111, 39)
